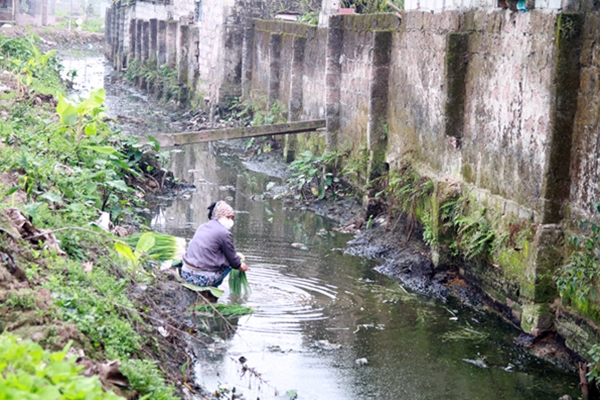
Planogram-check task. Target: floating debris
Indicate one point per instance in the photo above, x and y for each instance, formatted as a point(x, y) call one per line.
point(465, 334)
point(361, 361)
point(480, 362)
point(379, 327)
point(300, 246)
point(326, 345)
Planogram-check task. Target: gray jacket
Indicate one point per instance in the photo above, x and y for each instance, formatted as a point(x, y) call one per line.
point(211, 248)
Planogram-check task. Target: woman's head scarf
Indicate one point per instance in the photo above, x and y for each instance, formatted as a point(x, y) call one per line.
point(222, 209)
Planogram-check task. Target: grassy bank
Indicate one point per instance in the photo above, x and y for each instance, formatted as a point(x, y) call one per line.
point(63, 285)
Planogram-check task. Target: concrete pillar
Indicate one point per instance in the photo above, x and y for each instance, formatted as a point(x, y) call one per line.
point(455, 78)
point(274, 67)
point(296, 95)
point(172, 27)
point(194, 55)
point(378, 102)
point(567, 71)
point(145, 40)
point(247, 53)
point(153, 39)
point(333, 76)
point(132, 28)
point(139, 27)
point(108, 33)
point(183, 62)
point(162, 43)
point(121, 57)
point(537, 286)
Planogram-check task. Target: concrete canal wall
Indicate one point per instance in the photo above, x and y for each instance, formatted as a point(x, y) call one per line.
point(496, 107)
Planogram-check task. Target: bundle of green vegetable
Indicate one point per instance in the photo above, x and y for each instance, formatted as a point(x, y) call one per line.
point(166, 247)
point(226, 310)
point(238, 281)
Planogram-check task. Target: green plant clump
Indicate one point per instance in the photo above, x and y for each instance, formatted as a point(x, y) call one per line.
point(315, 176)
point(29, 372)
point(578, 278)
point(31, 69)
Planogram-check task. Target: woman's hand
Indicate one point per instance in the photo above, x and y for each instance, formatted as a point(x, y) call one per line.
point(244, 267)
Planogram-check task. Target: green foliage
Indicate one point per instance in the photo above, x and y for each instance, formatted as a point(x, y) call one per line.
point(21, 300)
point(92, 301)
point(29, 372)
point(71, 165)
point(164, 78)
point(371, 6)
point(166, 247)
point(72, 169)
point(136, 257)
point(225, 310)
point(145, 377)
point(255, 111)
point(40, 72)
point(406, 191)
point(357, 166)
point(578, 278)
point(475, 234)
point(315, 176)
point(593, 357)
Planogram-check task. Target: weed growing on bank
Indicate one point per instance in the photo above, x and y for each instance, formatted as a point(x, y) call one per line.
point(62, 165)
point(27, 371)
point(578, 277)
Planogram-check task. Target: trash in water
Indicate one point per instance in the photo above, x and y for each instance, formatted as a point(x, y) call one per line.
point(326, 345)
point(480, 362)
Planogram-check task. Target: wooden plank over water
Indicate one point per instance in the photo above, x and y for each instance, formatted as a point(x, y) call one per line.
point(178, 139)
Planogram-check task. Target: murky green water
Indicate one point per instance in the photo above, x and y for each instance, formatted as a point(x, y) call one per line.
point(329, 327)
point(325, 324)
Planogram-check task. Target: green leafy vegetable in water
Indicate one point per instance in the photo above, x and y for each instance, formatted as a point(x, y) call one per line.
point(238, 282)
point(226, 310)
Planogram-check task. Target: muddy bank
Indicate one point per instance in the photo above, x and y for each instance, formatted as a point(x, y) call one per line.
point(404, 257)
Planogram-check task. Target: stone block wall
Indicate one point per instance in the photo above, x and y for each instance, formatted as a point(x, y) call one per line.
point(585, 169)
point(507, 138)
point(276, 46)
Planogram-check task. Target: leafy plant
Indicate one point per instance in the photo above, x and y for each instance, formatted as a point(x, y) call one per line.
point(577, 279)
point(165, 247)
point(85, 118)
point(358, 165)
point(475, 234)
point(144, 376)
point(405, 190)
point(370, 6)
point(136, 257)
point(29, 372)
point(314, 175)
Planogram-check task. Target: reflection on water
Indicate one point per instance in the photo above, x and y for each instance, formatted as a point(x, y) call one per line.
point(329, 327)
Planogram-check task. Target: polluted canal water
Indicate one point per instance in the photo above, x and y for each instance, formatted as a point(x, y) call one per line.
point(326, 326)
